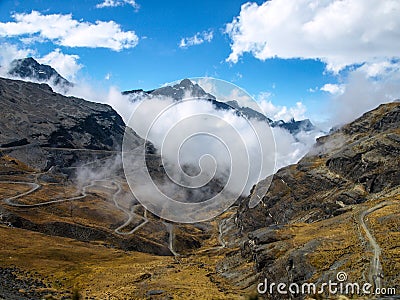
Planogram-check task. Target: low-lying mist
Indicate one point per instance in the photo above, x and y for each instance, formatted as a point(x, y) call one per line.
point(205, 154)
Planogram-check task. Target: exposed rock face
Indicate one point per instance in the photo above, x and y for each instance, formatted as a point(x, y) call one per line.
point(345, 167)
point(251, 113)
point(48, 124)
point(29, 68)
point(184, 88)
point(294, 126)
point(354, 165)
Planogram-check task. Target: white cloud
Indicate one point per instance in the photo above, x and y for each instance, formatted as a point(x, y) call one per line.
point(338, 32)
point(312, 90)
point(277, 112)
point(375, 69)
point(197, 39)
point(208, 84)
point(362, 94)
point(116, 3)
point(65, 64)
point(8, 53)
point(169, 124)
point(332, 88)
point(289, 149)
point(65, 31)
point(262, 105)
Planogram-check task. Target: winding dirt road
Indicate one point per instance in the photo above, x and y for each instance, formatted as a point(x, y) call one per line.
point(35, 186)
point(170, 229)
point(130, 213)
point(375, 273)
point(223, 227)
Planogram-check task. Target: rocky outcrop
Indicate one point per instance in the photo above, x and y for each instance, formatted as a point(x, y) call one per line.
point(30, 69)
point(43, 128)
point(293, 126)
point(355, 164)
point(342, 169)
point(19, 285)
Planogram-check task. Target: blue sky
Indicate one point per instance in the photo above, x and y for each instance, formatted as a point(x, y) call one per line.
point(282, 51)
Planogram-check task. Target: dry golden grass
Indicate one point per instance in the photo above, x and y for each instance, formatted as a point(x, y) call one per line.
point(12, 189)
point(385, 225)
point(9, 163)
point(92, 268)
point(105, 273)
point(343, 240)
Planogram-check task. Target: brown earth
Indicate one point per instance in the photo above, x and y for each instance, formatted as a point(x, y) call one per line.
point(309, 225)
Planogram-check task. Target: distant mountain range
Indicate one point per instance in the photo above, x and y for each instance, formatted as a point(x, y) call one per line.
point(186, 86)
point(29, 68)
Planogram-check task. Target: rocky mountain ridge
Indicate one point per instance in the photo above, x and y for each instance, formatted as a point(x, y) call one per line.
point(187, 88)
point(51, 125)
point(29, 68)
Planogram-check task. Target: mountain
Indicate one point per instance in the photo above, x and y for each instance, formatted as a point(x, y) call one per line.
point(86, 235)
point(29, 68)
point(293, 126)
point(186, 88)
point(65, 206)
point(50, 125)
point(318, 215)
point(177, 92)
point(250, 113)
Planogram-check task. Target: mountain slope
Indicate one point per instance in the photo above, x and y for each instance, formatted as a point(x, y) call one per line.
point(35, 117)
point(29, 68)
point(310, 223)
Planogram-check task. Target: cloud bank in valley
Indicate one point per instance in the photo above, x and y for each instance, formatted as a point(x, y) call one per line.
point(215, 154)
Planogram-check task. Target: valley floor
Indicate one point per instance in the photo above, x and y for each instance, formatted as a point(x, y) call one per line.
point(54, 266)
point(96, 246)
point(57, 243)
